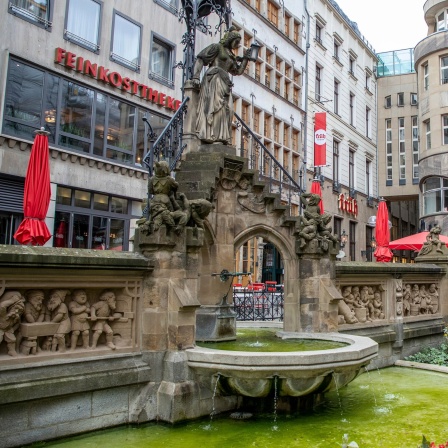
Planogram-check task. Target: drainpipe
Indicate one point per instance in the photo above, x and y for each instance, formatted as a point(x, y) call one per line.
point(305, 121)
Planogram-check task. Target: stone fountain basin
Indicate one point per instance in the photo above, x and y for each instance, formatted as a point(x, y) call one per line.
point(295, 374)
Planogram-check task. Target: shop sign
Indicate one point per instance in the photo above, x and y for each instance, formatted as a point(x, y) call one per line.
point(115, 79)
point(348, 204)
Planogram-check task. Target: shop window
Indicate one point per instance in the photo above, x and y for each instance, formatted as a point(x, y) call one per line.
point(83, 23)
point(126, 42)
point(68, 110)
point(162, 62)
point(87, 220)
point(37, 12)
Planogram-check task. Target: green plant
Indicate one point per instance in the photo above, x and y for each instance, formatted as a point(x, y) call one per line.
point(426, 444)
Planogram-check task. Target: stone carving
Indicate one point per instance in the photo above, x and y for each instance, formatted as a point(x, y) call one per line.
point(420, 299)
point(399, 297)
point(314, 224)
point(252, 202)
point(12, 306)
point(168, 208)
point(360, 304)
point(40, 321)
point(433, 242)
point(214, 113)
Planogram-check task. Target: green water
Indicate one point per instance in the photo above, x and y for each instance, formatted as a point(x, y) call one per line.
point(390, 408)
point(265, 340)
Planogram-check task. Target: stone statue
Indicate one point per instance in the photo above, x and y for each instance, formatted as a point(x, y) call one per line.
point(59, 314)
point(101, 312)
point(214, 113)
point(433, 294)
point(314, 223)
point(79, 312)
point(432, 241)
point(35, 311)
point(12, 306)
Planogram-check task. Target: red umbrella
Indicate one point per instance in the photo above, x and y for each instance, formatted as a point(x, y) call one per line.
point(36, 198)
point(315, 188)
point(382, 234)
point(414, 242)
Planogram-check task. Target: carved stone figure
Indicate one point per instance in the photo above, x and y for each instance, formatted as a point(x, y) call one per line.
point(432, 241)
point(433, 294)
point(214, 113)
point(377, 306)
point(35, 311)
point(407, 300)
point(59, 314)
point(79, 313)
point(12, 306)
point(102, 312)
point(314, 223)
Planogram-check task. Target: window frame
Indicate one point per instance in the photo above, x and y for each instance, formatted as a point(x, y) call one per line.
point(444, 70)
point(155, 76)
point(415, 146)
point(437, 193)
point(389, 150)
point(114, 57)
point(388, 102)
point(19, 12)
point(336, 144)
point(368, 122)
point(318, 82)
point(337, 85)
point(167, 5)
point(352, 109)
point(425, 76)
point(427, 125)
point(400, 99)
point(78, 40)
point(414, 99)
point(401, 148)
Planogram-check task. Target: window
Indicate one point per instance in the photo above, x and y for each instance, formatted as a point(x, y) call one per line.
point(351, 65)
point(444, 69)
point(170, 5)
point(273, 13)
point(287, 20)
point(38, 12)
point(441, 22)
point(389, 150)
point(368, 81)
point(352, 109)
point(426, 77)
point(318, 32)
point(388, 102)
point(83, 23)
point(435, 195)
point(402, 148)
point(389, 176)
point(351, 169)
point(318, 82)
point(126, 42)
point(296, 35)
point(368, 122)
point(368, 178)
point(415, 147)
point(335, 161)
point(78, 117)
point(400, 99)
point(445, 129)
point(88, 220)
point(336, 47)
point(267, 77)
point(336, 97)
point(427, 127)
point(162, 62)
point(414, 100)
point(352, 240)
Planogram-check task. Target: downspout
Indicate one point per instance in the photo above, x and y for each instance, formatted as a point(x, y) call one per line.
point(305, 120)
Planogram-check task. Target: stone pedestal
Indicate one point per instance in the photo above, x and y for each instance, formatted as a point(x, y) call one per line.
point(215, 323)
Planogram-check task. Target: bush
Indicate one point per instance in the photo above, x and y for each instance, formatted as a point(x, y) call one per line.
point(437, 356)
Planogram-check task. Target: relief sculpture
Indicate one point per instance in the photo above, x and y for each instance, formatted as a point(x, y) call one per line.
point(38, 321)
point(418, 299)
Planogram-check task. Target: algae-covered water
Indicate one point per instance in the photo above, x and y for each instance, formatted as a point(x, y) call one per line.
point(388, 408)
point(265, 340)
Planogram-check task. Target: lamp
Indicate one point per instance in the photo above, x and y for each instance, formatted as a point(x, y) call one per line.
point(373, 243)
point(344, 239)
point(254, 50)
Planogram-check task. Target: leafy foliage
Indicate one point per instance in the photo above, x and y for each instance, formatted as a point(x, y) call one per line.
point(432, 355)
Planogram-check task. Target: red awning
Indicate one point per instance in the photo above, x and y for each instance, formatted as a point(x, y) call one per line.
point(382, 234)
point(413, 242)
point(36, 198)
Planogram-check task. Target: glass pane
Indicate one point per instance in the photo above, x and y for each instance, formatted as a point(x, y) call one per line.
point(116, 234)
point(80, 232)
point(161, 59)
point(99, 233)
point(445, 201)
point(50, 104)
point(63, 196)
point(100, 113)
point(19, 130)
point(61, 229)
point(101, 202)
point(37, 8)
point(9, 223)
point(23, 97)
point(431, 183)
point(121, 125)
point(126, 40)
point(73, 143)
point(83, 21)
point(82, 199)
point(119, 205)
point(432, 202)
point(445, 183)
point(119, 156)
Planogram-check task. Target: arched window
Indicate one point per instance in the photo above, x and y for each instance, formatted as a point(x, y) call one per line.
point(435, 195)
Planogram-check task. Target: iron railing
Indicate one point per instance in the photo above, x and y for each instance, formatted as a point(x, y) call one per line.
point(270, 169)
point(257, 305)
point(168, 145)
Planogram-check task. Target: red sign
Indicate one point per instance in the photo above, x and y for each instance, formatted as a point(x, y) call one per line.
point(348, 204)
point(320, 139)
point(115, 79)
